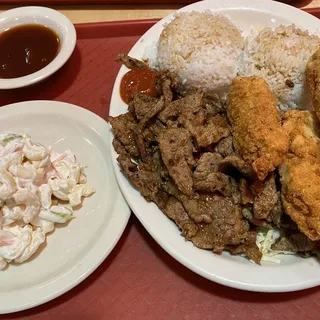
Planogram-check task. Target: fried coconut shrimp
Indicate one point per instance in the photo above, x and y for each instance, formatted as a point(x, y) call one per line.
point(256, 124)
point(300, 172)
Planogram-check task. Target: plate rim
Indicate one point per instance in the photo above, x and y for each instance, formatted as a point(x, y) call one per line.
point(117, 222)
point(266, 6)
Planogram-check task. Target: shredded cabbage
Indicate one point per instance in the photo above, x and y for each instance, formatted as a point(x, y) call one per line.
point(265, 239)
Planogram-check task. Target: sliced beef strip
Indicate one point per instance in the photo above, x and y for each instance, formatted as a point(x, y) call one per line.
point(205, 128)
point(176, 212)
point(215, 129)
point(233, 165)
point(166, 76)
point(248, 215)
point(158, 107)
point(167, 92)
point(277, 211)
point(202, 208)
point(171, 112)
point(151, 133)
point(225, 147)
point(129, 62)
point(206, 177)
point(146, 177)
point(296, 242)
point(234, 191)
point(142, 104)
point(174, 125)
point(176, 151)
point(206, 131)
point(124, 127)
point(265, 200)
point(212, 103)
point(183, 91)
point(135, 174)
point(175, 108)
point(118, 147)
point(215, 182)
point(131, 110)
point(208, 163)
point(249, 248)
point(247, 197)
point(197, 207)
point(226, 227)
point(166, 83)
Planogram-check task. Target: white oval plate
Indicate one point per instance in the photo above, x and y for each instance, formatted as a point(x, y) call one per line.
point(293, 273)
point(74, 251)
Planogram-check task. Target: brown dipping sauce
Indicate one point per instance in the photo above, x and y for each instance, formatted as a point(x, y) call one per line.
point(26, 49)
point(138, 80)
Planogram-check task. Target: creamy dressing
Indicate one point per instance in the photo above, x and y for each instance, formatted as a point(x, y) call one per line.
point(30, 176)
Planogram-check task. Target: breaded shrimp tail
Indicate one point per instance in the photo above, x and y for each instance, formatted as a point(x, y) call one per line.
point(258, 136)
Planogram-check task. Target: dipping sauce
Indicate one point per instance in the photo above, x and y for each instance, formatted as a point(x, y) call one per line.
point(26, 49)
point(138, 80)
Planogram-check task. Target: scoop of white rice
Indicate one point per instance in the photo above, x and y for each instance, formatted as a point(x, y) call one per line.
point(280, 57)
point(202, 48)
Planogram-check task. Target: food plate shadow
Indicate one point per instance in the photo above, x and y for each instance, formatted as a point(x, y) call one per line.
point(81, 288)
point(50, 88)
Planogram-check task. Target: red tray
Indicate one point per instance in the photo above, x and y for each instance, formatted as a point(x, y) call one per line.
point(87, 78)
point(139, 280)
point(296, 3)
point(88, 2)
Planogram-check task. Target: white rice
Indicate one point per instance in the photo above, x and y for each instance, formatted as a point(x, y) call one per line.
point(280, 55)
point(207, 51)
point(203, 49)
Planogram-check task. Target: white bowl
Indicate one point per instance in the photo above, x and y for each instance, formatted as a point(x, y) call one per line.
point(53, 20)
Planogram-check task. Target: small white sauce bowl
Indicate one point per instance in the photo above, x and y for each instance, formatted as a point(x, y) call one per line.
point(53, 20)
